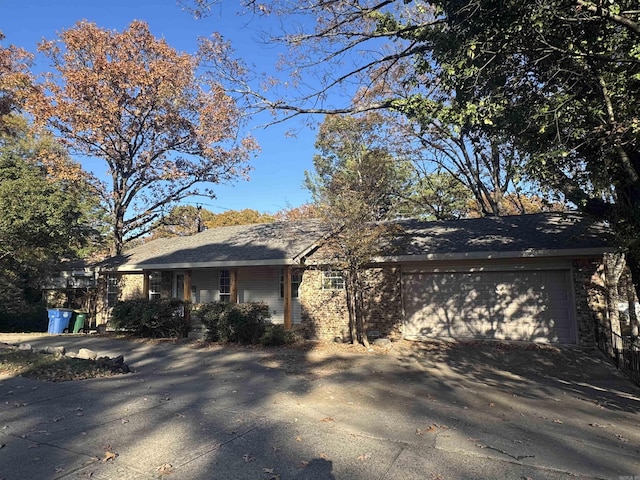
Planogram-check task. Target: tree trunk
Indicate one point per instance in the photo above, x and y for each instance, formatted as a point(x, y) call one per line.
point(360, 321)
point(633, 316)
point(614, 264)
point(633, 262)
point(353, 334)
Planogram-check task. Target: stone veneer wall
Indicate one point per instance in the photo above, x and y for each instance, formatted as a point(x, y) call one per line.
point(325, 315)
point(383, 302)
point(129, 286)
point(324, 312)
point(589, 290)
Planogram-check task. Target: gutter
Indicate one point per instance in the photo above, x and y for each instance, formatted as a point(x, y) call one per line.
point(491, 255)
point(195, 265)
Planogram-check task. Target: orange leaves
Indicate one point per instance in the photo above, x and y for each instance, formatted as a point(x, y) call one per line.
point(142, 107)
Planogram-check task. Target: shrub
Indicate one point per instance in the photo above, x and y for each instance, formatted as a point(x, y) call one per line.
point(158, 318)
point(234, 322)
point(29, 318)
point(276, 335)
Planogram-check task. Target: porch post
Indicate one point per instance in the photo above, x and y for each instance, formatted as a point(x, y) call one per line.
point(233, 288)
point(287, 297)
point(186, 290)
point(145, 285)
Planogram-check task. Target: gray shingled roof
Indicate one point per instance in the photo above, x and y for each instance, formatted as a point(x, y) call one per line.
point(269, 243)
point(518, 233)
point(281, 242)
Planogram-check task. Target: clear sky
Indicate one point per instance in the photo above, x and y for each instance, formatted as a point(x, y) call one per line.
point(276, 180)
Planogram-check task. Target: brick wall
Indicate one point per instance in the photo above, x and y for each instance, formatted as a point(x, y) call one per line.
point(324, 312)
point(325, 315)
point(590, 298)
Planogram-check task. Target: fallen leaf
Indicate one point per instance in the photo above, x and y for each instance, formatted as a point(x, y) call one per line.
point(363, 457)
point(109, 456)
point(304, 464)
point(323, 456)
point(327, 419)
point(57, 419)
point(491, 404)
point(557, 420)
point(597, 425)
point(2, 445)
point(247, 457)
point(430, 428)
point(166, 468)
point(267, 470)
point(298, 439)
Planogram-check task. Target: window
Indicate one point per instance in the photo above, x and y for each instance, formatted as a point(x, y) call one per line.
point(155, 285)
point(112, 289)
point(296, 279)
point(180, 287)
point(225, 285)
point(332, 280)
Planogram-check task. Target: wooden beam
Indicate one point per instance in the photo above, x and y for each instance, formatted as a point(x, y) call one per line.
point(287, 298)
point(233, 288)
point(186, 289)
point(145, 285)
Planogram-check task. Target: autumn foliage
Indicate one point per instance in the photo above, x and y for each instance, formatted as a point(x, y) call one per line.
point(129, 99)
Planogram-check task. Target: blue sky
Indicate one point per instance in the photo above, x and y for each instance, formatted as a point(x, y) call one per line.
point(276, 181)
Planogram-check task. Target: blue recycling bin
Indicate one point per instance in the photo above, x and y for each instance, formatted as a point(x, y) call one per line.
point(58, 319)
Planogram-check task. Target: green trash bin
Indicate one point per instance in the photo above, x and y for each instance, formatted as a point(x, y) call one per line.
point(79, 324)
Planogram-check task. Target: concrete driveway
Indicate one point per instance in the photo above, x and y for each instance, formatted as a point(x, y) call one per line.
point(421, 411)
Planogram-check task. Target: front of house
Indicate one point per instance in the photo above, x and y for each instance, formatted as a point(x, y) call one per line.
point(536, 278)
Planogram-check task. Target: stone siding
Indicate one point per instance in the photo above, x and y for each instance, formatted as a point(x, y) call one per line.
point(324, 312)
point(383, 303)
point(129, 286)
point(590, 298)
point(325, 315)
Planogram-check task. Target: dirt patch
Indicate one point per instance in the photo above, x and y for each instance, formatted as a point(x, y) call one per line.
point(48, 367)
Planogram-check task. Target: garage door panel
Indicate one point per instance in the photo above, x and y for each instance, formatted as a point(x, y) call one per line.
point(522, 305)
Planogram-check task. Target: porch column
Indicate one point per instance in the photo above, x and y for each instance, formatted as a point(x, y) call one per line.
point(287, 297)
point(233, 288)
point(145, 285)
point(186, 290)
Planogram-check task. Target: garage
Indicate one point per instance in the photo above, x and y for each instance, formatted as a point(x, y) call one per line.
point(534, 305)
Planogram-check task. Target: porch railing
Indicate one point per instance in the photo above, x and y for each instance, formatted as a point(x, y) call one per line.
point(623, 351)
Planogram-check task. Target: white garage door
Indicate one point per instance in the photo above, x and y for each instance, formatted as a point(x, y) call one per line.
point(525, 305)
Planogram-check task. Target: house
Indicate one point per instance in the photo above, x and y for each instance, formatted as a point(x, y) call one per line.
point(534, 277)
point(244, 263)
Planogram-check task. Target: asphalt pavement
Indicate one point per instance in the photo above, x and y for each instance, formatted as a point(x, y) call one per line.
point(260, 414)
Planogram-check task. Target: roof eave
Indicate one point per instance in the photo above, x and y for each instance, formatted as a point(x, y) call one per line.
point(490, 255)
point(195, 265)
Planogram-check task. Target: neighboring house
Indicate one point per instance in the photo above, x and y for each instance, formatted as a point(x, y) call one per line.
point(534, 278)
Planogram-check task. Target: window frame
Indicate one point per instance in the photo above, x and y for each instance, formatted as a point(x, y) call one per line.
point(332, 279)
point(224, 286)
point(296, 280)
point(155, 285)
point(113, 289)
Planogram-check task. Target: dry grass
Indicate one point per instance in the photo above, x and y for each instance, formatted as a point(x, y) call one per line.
point(47, 367)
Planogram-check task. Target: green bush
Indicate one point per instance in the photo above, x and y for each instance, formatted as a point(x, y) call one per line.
point(158, 318)
point(30, 318)
point(276, 335)
point(234, 322)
